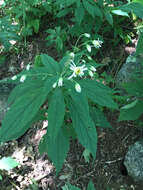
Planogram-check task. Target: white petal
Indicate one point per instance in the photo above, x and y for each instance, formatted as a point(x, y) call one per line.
point(73, 75)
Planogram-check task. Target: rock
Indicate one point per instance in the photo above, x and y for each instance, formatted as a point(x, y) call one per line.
point(5, 90)
point(134, 161)
point(127, 71)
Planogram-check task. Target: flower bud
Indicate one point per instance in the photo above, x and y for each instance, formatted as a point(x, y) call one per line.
point(77, 87)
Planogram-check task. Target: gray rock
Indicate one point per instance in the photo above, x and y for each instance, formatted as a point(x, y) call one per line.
point(5, 90)
point(126, 74)
point(134, 161)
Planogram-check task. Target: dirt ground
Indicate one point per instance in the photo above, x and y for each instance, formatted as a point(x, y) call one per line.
point(37, 172)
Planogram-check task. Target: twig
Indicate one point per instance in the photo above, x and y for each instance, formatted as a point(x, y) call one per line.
point(113, 161)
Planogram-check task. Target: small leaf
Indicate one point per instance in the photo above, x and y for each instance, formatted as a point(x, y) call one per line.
point(91, 186)
point(132, 113)
point(139, 48)
point(8, 163)
point(120, 12)
point(0, 177)
point(108, 17)
point(70, 187)
point(86, 154)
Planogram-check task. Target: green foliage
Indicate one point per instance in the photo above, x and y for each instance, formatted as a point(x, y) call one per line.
point(7, 163)
point(71, 187)
point(8, 31)
point(58, 37)
point(68, 98)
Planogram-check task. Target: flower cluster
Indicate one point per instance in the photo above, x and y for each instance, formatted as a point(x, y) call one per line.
point(95, 43)
point(77, 71)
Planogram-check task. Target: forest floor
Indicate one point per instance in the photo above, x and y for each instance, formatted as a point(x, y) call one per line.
point(107, 172)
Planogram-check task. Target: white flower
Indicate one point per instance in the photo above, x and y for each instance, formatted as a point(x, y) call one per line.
point(60, 82)
point(91, 73)
point(23, 77)
point(77, 87)
point(88, 48)
point(77, 71)
point(14, 77)
point(92, 68)
point(97, 43)
point(28, 67)
point(87, 35)
point(54, 85)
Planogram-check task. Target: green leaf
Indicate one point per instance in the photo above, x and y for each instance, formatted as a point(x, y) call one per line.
point(63, 12)
point(8, 163)
point(132, 113)
point(91, 186)
point(98, 93)
point(56, 113)
point(70, 187)
point(50, 63)
point(108, 17)
point(139, 48)
point(120, 12)
point(86, 155)
point(24, 108)
point(0, 177)
point(89, 8)
point(136, 8)
point(79, 14)
point(57, 149)
point(99, 118)
point(84, 127)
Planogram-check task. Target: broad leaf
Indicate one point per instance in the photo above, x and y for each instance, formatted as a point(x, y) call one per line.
point(98, 93)
point(56, 149)
point(24, 109)
point(8, 163)
point(84, 127)
point(79, 14)
point(56, 113)
point(50, 63)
